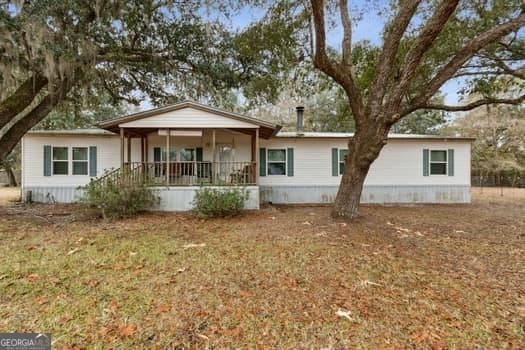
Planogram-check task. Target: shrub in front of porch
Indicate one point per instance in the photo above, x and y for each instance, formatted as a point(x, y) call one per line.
point(119, 199)
point(212, 202)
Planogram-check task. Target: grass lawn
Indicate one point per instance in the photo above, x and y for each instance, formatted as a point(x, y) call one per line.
point(441, 277)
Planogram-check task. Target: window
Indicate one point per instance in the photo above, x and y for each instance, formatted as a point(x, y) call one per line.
point(60, 161)
point(438, 162)
point(342, 156)
point(173, 154)
point(80, 161)
point(276, 162)
point(187, 154)
point(179, 155)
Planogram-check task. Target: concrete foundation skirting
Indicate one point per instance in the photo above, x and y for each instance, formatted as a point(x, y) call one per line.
point(171, 198)
point(371, 194)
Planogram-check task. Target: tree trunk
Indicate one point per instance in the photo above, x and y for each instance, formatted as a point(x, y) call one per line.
point(10, 175)
point(363, 149)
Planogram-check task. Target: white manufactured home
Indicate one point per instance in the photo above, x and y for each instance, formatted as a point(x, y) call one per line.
point(180, 147)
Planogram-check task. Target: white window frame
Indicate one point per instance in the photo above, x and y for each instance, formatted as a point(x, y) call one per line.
point(80, 161)
point(340, 161)
point(285, 161)
point(53, 161)
point(430, 162)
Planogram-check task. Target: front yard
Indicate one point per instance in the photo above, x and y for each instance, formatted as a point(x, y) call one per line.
point(442, 277)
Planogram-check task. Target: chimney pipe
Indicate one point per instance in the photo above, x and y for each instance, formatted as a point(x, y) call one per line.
point(300, 126)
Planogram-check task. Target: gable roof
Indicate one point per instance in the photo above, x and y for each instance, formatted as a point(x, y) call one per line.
point(266, 129)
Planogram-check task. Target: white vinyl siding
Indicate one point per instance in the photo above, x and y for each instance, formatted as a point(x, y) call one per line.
point(399, 163)
point(108, 157)
point(188, 118)
point(241, 145)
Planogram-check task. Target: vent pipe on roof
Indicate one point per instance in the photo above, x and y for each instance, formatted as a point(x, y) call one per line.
point(300, 124)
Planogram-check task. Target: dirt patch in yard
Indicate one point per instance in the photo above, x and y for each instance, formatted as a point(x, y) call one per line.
point(432, 276)
point(9, 195)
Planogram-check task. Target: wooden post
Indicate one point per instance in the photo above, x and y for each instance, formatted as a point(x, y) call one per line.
point(256, 153)
point(167, 157)
point(121, 149)
point(142, 149)
point(253, 147)
point(146, 148)
point(129, 151)
point(213, 156)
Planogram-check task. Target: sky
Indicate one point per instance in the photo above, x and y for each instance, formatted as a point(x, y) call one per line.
point(368, 28)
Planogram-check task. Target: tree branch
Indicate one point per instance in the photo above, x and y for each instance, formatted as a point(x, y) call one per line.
point(321, 59)
point(483, 72)
point(422, 44)
point(388, 54)
point(461, 57)
point(475, 104)
point(56, 95)
point(21, 98)
point(339, 72)
point(347, 33)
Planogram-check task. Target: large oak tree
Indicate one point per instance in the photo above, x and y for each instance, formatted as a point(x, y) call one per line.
point(55, 52)
point(425, 44)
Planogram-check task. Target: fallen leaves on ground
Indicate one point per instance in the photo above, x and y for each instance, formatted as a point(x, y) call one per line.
point(429, 277)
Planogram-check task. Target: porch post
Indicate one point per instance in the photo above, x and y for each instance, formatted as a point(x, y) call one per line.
point(256, 155)
point(121, 148)
point(129, 151)
point(146, 157)
point(253, 147)
point(167, 157)
point(213, 153)
point(142, 149)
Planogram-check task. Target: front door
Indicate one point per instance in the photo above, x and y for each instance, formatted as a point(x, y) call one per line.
point(224, 155)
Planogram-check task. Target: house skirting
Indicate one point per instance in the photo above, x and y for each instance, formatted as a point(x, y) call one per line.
point(385, 194)
point(52, 194)
point(181, 198)
point(171, 198)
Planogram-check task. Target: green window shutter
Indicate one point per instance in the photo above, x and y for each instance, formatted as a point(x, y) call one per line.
point(92, 161)
point(450, 162)
point(156, 159)
point(156, 154)
point(47, 160)
point(198, 154)
point(289, 158)
point(335, 162)
point(262, 161)
point(425, 162)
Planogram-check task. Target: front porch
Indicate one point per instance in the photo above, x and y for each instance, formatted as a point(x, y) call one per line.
point(182, 157)
point(178, 148)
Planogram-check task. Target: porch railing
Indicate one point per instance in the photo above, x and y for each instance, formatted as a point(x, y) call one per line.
point(191, 173)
